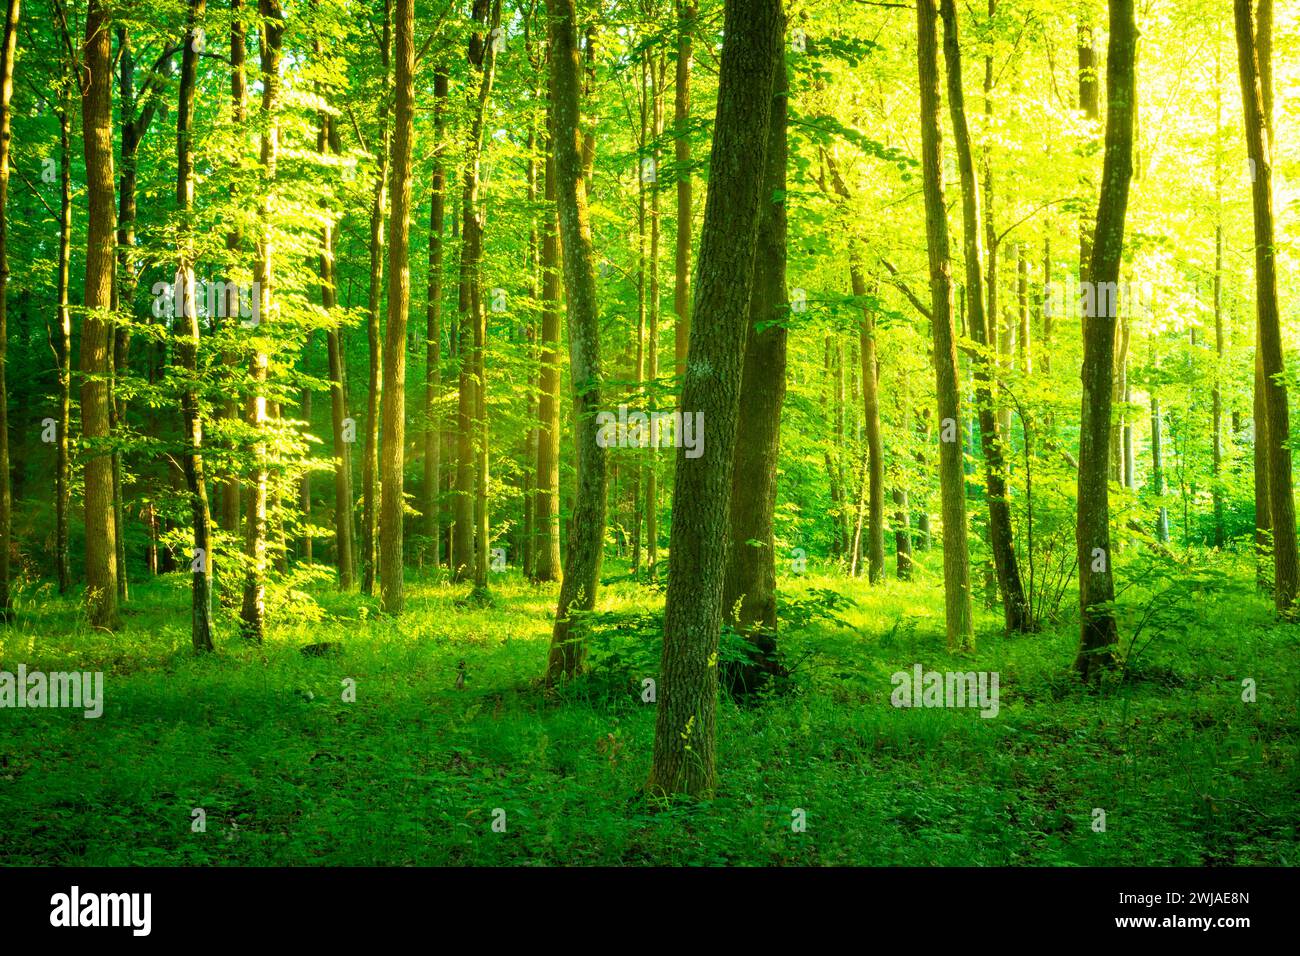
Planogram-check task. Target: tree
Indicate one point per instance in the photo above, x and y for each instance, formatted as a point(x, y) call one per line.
point(956, 557)
point(187, 340)
point(749, 583)
point(97, 329)
point(1098, 630)
point(1252, 57)
point(393, 452)
point(253, 610)
point(587, 531)
point(1001, 541)
point(684, 722)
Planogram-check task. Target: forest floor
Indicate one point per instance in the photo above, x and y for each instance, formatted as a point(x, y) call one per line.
point(417, 771)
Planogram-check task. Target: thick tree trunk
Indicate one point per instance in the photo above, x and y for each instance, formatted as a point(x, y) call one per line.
point(1098, 631)
point(8, 53)
point(587, 530)
point(685, 734)
point(97, 330)
point(750, 578)
point(952, 480)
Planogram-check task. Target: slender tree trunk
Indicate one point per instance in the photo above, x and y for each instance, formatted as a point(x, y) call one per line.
point(433, 325)
point(371, 491)
point(62, 341)
point(1098, 631)
point(253, 611)
point(685, 734)
point(952, 480)
point(393, 448)
point(687, 10)
point(1255, 68)
point(97, 330)
point(1158, 470)
point(587, 530)
point(187, 340)
point(546, 512)
point(232, 488)
point(992, 438)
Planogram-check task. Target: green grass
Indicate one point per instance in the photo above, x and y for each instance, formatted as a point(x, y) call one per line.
point(289, 773)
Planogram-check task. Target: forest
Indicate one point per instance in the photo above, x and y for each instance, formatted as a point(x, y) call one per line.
point(649, 432)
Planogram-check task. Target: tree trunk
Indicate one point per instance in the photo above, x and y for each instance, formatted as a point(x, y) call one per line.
point(1098, 631)
point(1254, 64)
point(687, 10)
point(587, 529)
point(546, 511)
point(684, 723)
point(433, 325)
point(187, 341)
point(750, 577)
point(371, 492)
point(62, 342)
point(253, 611)
point(1001, 536)
point(97, 330)
point(952, 480)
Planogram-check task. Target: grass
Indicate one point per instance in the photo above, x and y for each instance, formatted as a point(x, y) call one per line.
point(415, 771)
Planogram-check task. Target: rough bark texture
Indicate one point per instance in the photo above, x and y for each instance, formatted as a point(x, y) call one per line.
point(956, 556)
point(688, 679)
point(8, 53)
point(1098, 631)
point(749, 585)
point(587, 530)
point(686, 13)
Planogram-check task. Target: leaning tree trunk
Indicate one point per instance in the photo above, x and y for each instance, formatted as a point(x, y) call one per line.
point(1254, 66)
point(1001, 539)
point(750, 578)
point(684, 723)
point(97, 330)
point(1098, 631)
point(587, 529)
point(952, 480)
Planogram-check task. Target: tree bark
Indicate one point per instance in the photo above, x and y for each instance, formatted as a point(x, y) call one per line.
point(685, 735)
point(1001, 536)
point(587, 531)
point(1254, 66)
point(952, 480)
point(750, 577)
point(97, 330)
point(1098, 631)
